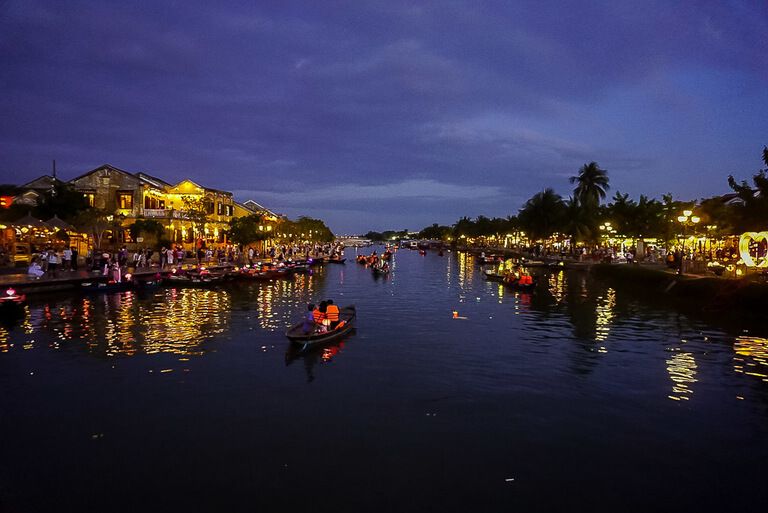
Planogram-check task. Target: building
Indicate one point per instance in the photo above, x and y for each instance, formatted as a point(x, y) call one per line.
point(191, 213)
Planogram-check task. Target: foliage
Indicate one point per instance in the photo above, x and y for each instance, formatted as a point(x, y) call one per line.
point(386, 235)
point(196, 211)
point(543, 214)
point(306, 228)
point(591, 185)
point(63, 201)
point(97, 222)
point(245, 230)
point(435, 232)
point(752, 213)
point(150, 229)
point(485, 227)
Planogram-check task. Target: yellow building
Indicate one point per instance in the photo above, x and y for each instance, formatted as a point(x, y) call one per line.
point(139, 195)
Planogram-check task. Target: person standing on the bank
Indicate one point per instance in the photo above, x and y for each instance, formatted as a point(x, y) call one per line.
point(66, 259)
point(53, 261)
point(73, 264)
point(163, 257)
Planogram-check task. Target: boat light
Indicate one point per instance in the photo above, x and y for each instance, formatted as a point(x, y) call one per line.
point(10, 292)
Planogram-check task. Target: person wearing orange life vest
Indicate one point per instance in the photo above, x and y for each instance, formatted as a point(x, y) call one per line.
point(332, 314)
point(319, 315)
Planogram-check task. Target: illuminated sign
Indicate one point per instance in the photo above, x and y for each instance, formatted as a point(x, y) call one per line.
point(745, 241)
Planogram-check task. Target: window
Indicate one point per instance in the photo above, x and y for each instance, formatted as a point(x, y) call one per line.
point(125, 200)
point(208, 207)
point(161, 204)
point(219, 210)
point(90, 198)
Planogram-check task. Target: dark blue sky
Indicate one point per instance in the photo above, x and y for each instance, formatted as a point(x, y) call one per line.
point(375, 115)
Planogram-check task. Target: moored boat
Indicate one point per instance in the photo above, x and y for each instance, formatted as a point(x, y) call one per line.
point(12, 300)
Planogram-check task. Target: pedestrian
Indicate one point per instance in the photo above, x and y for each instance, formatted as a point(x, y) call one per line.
point(73, 265)
point(66, 259)
point(53, 261)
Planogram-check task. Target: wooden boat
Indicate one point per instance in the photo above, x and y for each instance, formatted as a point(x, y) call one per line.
point(378, 271)
point(493, 275)
point(193, 279)
point(347, 314)
point(106, 286)
point(336, 260)
point(530, 287)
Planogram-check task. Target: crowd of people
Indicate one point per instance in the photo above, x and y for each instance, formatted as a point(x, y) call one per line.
point(55, 262)
point(51, 261)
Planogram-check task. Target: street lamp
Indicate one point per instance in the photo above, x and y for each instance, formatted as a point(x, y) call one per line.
point(686, 220)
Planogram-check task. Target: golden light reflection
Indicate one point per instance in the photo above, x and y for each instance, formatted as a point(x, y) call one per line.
point(681, 368)
point(605, 310)
point(466, 269)
point(751, 358)
point(556, 284)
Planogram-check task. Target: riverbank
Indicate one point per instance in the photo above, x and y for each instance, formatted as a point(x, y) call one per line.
point(695, 293)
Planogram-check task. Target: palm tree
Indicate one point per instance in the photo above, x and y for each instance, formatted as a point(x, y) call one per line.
point(578, 222)
point(542, 215)
point(591, 185)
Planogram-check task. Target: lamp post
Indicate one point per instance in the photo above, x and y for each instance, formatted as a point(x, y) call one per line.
point(687, 219)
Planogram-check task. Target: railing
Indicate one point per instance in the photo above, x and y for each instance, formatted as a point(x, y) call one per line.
point(164, 213)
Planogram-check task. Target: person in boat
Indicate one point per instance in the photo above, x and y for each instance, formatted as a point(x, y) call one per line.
point(309, 320)
point(318, 316)
point(332, 314)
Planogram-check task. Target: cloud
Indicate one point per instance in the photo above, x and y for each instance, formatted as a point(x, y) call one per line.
point(414, 190)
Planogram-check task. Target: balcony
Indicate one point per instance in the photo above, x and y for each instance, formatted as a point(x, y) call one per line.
point(163, 213)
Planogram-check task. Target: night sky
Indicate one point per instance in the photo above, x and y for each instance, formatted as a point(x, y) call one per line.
point(376, 115)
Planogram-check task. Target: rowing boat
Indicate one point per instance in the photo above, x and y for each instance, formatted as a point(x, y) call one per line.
point(347, 314)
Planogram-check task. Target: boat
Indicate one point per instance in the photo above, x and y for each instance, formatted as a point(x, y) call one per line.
point(106, 286)
point(12, 301)
point(378, 271)
point(493, 275)
point(347, 317)
point(201, 278)
point(530, 287)
point(336, 260)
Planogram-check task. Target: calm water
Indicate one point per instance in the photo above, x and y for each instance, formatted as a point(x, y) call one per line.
point(578, 398)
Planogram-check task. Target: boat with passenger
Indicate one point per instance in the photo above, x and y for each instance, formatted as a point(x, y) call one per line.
point(298, 334)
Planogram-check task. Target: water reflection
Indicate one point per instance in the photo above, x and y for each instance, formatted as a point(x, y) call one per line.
point(682, 369)
point(751, 357)
point(313, 355)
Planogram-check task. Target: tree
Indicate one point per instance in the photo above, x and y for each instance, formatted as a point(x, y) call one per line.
point(150, 229)
point(752, 214)
point(96, 223)
point(196, 211)
point(435, 232)
point(62, 200)
point(577, 221)
point(542, 215)
point(591, 185)
point(245, 230)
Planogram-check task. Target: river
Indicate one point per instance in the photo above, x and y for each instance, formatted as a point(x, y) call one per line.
point(575, 398)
